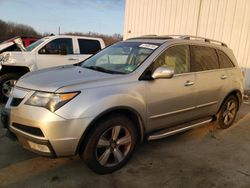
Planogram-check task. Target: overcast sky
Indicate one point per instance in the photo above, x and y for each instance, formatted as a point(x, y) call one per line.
point(102, 16)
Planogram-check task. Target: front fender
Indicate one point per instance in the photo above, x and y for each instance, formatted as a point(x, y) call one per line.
point(92, 102)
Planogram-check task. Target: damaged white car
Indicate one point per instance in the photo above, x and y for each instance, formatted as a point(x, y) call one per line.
point(47, 52)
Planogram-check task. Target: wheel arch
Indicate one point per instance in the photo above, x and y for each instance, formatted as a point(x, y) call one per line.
point(237, 93)
point(129, 112)
point(14, 69)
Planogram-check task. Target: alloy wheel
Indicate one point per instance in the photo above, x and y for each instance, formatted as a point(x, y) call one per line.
point(7, 86)
point(113, 146)
point(229, 112)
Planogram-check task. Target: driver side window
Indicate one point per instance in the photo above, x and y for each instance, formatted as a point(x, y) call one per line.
point(56, 46)
point(176, 58)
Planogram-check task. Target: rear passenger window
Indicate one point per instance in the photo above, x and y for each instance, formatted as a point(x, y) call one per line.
point(89, 46)
point(203, 58)
point(176, 58)
point(224, 60)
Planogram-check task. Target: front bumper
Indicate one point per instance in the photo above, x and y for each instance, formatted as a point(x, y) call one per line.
point(44, 132)
point(40, 146)
point(5, 122)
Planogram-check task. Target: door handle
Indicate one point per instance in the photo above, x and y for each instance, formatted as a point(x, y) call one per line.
point(223, 77)
point(72, 59)
point(189, 83)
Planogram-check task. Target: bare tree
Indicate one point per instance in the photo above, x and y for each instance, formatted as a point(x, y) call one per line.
point(108, 39)
point(10, 29)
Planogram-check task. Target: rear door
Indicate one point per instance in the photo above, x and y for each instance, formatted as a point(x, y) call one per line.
point(171, 101)
point(210, 79)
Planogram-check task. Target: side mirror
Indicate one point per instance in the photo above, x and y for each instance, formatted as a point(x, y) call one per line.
point(63, 50)
point(163, 72)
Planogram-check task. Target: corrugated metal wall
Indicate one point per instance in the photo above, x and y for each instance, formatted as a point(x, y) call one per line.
point(223, 20)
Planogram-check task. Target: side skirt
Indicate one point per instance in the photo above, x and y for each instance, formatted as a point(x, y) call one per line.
point(177, 129)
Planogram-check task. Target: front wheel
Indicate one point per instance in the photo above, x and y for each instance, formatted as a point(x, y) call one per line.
point(7, 82)
point(228, 112)
point(110, 144)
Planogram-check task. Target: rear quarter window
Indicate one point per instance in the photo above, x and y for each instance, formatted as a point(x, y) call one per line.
point(224, 60)
point(203, 58)
point(89, 46)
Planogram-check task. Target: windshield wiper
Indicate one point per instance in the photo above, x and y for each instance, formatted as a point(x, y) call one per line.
point(101, 69)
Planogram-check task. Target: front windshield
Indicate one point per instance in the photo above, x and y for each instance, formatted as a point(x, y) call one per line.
point(120, 58)
point(35, 44)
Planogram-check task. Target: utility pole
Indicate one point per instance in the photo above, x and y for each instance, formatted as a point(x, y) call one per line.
point(59, 30)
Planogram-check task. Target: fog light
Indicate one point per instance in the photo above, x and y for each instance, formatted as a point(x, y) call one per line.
point(39, 147)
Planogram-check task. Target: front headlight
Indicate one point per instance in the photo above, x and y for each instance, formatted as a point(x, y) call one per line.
point(51, 101)
point(4, 58)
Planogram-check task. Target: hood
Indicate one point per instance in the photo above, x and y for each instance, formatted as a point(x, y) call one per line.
point(11, 42)
point(52, 79)
point(5, 45)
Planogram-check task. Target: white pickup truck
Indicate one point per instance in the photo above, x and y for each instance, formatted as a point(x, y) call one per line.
point(47, 52)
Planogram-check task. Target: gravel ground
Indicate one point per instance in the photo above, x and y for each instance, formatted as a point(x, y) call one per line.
point(202, 157)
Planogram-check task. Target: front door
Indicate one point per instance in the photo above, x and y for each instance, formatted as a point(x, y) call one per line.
point(51, 54)
point(172, 101)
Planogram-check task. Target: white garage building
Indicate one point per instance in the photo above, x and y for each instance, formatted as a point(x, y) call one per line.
point(223, 20)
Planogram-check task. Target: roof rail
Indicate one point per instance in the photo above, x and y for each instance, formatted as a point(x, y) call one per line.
point(190, 37)
point(151, 37)
point(184, 37)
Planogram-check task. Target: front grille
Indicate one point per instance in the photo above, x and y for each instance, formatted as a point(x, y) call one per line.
point(16, 101)
point(31, 130)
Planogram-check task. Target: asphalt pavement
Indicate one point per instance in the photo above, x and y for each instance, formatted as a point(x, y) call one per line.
point(202, 157)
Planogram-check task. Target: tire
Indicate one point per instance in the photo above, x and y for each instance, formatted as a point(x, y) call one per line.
point(228, 112)
point(7, 81)
point(103, 152)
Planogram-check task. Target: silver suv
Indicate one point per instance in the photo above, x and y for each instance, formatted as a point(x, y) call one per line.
point(143, 88)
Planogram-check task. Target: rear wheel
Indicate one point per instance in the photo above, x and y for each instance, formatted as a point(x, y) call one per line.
point(228, 112)
point(7, 82)
point(110, 144)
